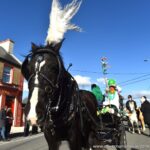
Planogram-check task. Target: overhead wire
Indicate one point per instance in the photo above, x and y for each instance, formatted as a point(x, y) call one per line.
point(124, 83)
point(130, 80)
point(115, 73)
point(135, 82)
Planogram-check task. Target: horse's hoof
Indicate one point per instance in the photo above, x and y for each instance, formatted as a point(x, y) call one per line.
point(132, 132)
point(139, 132)
point(143, 129)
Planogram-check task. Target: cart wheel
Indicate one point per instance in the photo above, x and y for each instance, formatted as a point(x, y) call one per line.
point(122, 141)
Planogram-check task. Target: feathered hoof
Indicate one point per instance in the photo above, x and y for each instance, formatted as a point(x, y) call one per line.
point(132, 132)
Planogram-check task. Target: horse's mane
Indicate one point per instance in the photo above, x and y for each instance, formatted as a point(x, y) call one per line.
point(60, 18)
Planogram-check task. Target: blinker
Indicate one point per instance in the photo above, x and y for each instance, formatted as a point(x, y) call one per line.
point(39, 58)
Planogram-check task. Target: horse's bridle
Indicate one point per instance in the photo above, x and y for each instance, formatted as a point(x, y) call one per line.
point(41, 51)
point(55, 86)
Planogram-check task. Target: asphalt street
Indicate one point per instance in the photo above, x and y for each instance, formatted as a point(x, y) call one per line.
point(37, 142)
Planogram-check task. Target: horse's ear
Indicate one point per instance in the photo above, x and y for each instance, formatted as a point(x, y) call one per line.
point(57, 46)
point(25, 68)
point(34, 46)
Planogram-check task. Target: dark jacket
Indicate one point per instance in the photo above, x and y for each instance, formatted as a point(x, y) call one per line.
point(128, 106)
point(2, 118)
point(98, 93)
point(145, 108)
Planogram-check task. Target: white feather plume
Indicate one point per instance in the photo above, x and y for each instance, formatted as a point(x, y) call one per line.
point(60, 20)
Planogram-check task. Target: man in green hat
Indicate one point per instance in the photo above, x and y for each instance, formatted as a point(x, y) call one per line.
point(98, 94)
point(112, 96)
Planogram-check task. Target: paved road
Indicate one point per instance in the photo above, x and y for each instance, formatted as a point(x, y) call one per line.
point(37, 142)
point(138, 142)
point(34, 142)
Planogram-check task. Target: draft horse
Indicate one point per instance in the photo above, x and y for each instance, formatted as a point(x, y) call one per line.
point(55, 101)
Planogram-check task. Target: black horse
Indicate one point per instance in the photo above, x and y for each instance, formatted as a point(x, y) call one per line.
point(55, 101)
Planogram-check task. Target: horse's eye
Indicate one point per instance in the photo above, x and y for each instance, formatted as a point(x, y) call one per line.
point(48, 89)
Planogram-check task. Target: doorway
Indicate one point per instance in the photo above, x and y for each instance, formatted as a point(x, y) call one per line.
point(10, 102)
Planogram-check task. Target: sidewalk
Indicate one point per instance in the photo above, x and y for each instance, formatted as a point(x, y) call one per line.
point(17, 130)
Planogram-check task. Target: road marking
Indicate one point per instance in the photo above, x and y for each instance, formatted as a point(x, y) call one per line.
point(22, 139)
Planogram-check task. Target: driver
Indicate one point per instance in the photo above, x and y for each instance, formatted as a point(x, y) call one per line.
point(112, 96)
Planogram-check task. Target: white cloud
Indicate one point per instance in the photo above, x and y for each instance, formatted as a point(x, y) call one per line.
point(101, 80)
point(83, 80)
point(139, 94)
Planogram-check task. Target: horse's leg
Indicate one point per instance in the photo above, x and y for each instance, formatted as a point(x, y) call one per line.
point(137, 125)
point(141, 118)
point(74, 142)
point(132, 126)
point(143, 124)
point(91, 140)
point(149, 128)
point(51, 140)
point(74, 138)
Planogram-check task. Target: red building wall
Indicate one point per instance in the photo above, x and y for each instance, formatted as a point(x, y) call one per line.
point(11, 95)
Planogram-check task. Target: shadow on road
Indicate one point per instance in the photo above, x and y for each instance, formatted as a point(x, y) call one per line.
point(14, 135)
point(146, 134)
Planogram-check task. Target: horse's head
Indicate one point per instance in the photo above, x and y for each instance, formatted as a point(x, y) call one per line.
point(42, 69)
point(132, 107)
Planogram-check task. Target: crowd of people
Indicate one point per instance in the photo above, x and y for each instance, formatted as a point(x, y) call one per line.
point(113, 98)
point(6, 120)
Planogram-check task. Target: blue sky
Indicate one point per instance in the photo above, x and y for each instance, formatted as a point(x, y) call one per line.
point(116, 29)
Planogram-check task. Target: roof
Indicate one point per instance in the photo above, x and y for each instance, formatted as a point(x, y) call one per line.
point(9, 58)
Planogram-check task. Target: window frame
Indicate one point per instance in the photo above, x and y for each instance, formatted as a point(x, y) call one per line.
point(10, 74)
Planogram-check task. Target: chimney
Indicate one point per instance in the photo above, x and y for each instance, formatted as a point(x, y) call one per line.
point(8, 45)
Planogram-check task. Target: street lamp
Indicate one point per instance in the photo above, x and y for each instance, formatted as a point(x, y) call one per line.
point(104, 68)
point(70, 65)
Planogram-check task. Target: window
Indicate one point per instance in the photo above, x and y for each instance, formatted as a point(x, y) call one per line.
point(6, 74)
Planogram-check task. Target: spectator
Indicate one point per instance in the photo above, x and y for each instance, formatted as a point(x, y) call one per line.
point(145, 108)
point(130, 100)
point(2, 123)
point(9, 121)
point(98, 94)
